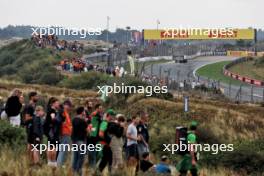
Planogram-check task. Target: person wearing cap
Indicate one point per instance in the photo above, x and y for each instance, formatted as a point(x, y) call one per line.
point(189, 160)
point(65, 131)
point(105, 139)
point(163, 166)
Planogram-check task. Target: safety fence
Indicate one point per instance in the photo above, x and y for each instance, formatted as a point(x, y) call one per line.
point(182, 81)
point(238, 76)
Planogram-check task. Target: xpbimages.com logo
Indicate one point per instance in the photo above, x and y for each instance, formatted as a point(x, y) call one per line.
point(213, 148)
point(66, 31)
point(148, 90)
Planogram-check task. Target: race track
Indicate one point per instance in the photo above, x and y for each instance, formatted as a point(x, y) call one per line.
point(180, 72)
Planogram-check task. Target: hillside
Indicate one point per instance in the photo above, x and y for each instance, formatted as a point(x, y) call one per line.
point(27, 67)
point(23, 61)
point(219, 122)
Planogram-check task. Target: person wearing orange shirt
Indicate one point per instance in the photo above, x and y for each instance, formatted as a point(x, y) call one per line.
point(65, 133)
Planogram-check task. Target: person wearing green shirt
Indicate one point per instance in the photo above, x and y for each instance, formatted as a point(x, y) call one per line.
point(189, 160)
point(105, 140)
point(96, 118)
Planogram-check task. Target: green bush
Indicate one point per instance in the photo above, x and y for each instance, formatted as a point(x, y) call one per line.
point(8, 70)
point(88, 80)
point(11, 136)
point(247, 157)
point(40, 72)
point(7, 58)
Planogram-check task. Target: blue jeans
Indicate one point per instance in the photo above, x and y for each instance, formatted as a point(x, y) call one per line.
point(63, 154)
point(78, 158)
point(92, 155)
point(92, 158)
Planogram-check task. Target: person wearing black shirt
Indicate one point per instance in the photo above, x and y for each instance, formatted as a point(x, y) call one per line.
point(91, 154)
point(79, 135)
point(13, 107)
point(38, 125)
point(142, 128)
point(51, 129)
point(30, 136)
point(34, 130)
point(30, 107)
point(145, 164)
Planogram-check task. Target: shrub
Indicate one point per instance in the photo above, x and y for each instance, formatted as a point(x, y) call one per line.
point(51, 78)
point(8, 70)
point(40, 72)
point(89, 80)
point(23, 61)
point(6, 58)
point(247, 157)
point(11, 136)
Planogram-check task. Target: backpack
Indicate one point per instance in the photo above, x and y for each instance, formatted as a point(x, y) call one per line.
point(181, 139)
point(115, 129)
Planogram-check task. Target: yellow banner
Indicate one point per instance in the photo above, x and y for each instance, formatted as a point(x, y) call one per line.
point(244, 53)
point(238, 53)
point(260, 54)
point(199, 34)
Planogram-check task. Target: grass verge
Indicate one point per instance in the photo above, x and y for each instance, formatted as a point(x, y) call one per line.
point(249, 69)
point(215, 71)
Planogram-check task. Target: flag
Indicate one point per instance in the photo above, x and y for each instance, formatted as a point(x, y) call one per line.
point(132, 65)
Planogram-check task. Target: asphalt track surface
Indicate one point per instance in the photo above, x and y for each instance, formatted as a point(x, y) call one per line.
point(187, 71)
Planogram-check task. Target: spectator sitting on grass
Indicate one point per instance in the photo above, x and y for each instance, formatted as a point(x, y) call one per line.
point(145, 164)
point(163, 166)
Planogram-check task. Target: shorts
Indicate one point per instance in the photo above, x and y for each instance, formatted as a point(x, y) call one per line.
point(132, 151)
point(36, 145)
point(30, 140)
point(53, 140)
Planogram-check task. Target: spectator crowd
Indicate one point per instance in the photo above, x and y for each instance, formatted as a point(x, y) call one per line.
point(77, 65)
point(53, 41)
point(123, 141)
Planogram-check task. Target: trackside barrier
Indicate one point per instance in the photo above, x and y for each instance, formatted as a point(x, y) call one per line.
point(240, 77)
point(244, 53)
